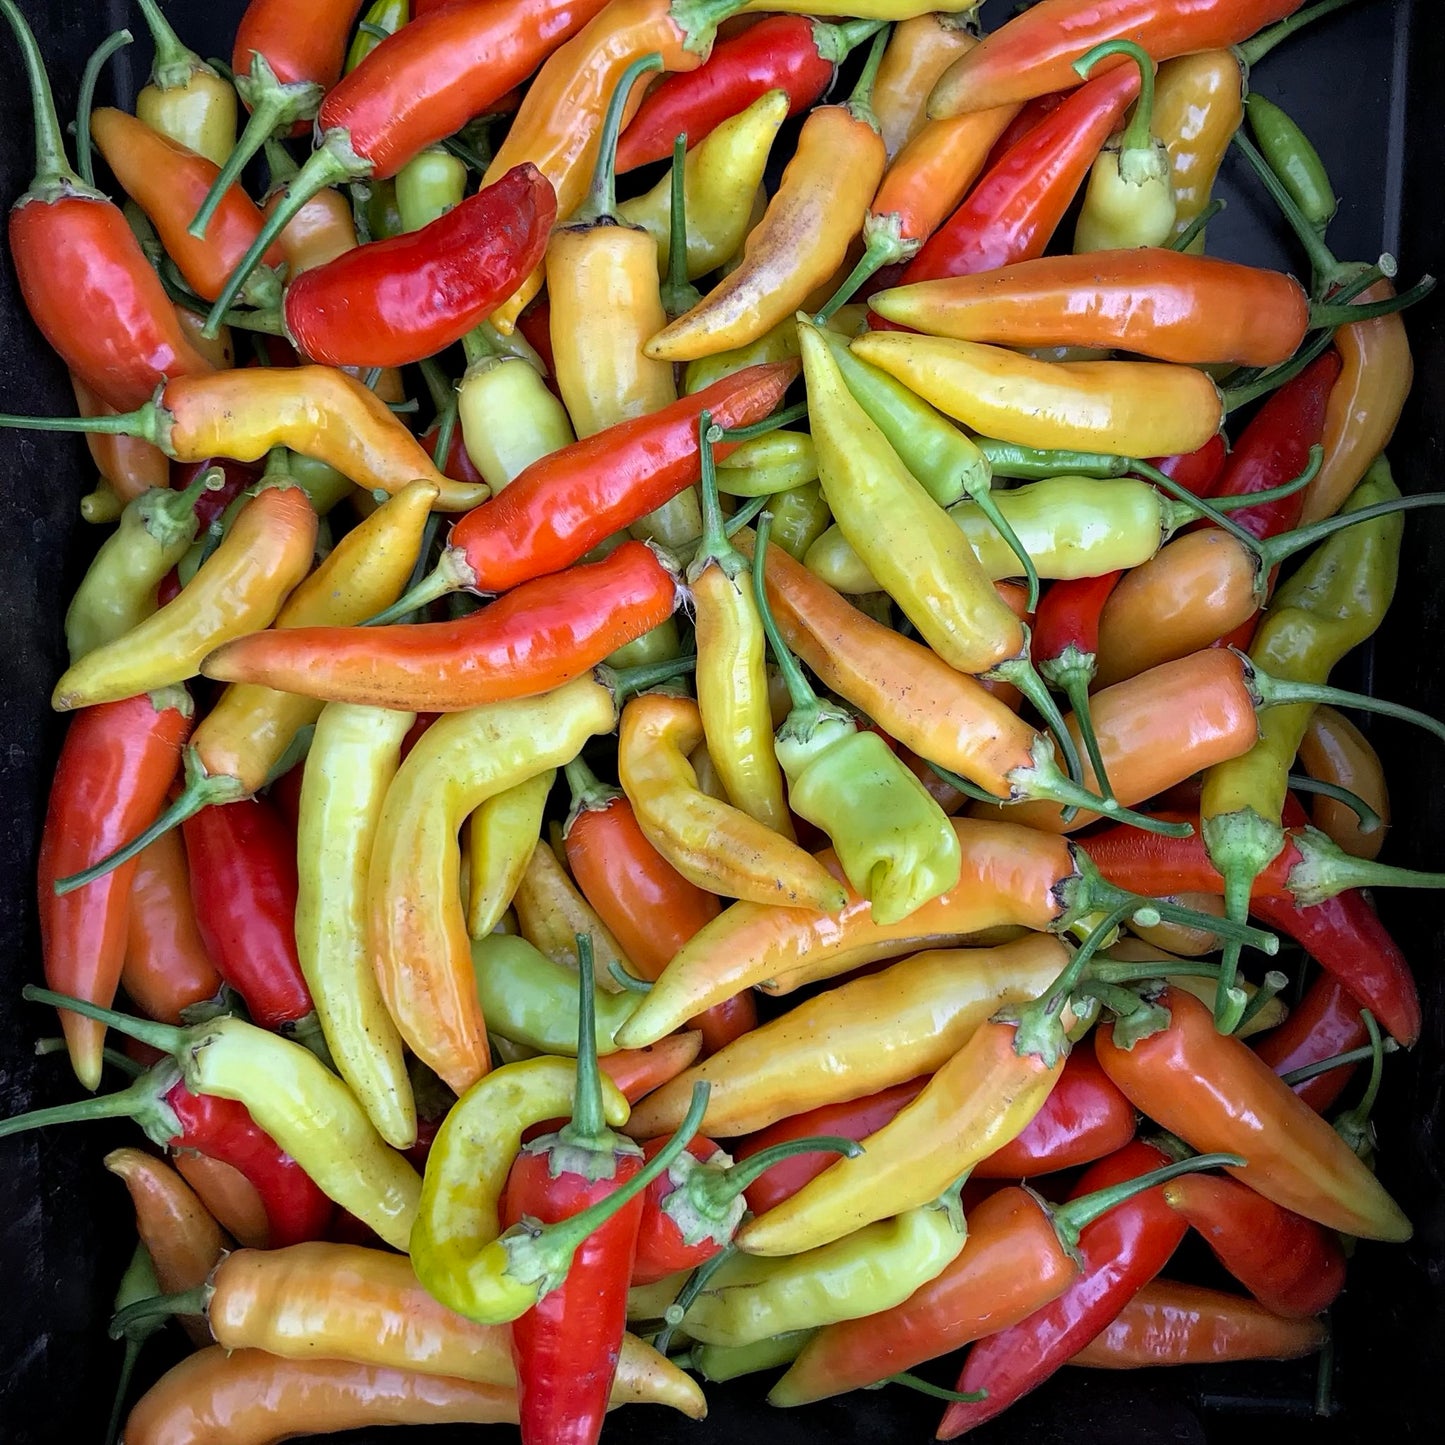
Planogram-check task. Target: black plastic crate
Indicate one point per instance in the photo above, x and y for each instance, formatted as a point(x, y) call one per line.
point(1369, 86)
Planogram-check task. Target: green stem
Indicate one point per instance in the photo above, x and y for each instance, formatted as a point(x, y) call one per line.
point(133, 1348)
point(1105, 895)
point(910, 1381)
point(438, 383)
point(630, 982)
point(882, 248)
point(1325, 869)
point(1354, 1123)
point(629, 681)
point(1021, 672)
point(1253, 51)
point(1111, 971)
point(800, 693)
point(451, 574)
point(833, 42)
point(86, 102)
point(719, 1189)
point(962, 785)
point(1181, 493)
point(588, 1126)
point(983, 498)
point(861, 101)
point(129, 1102)
point(678, 292)
point(1187, 236)
point(745, 514)
point(589, 793)
point(715, 546)
point(149, 422)
point(1335, 315)
point(696, 1283)
point(160, 1307)
point(468, 155)
point(1044, 779)
point(131, 1068)
point(1327, 270)
point(1369, 819)
point(1070, 1219)
point(1274, 984)
point(1138, 135)
point(52, 169)
point(601, 201)
point(175, 61)
point(167, 1039)
point(1306, 1072)
point(1280, 692)
point(1076, 689)
point(768, 424)
point(1324, 1403)
point(1244, 501)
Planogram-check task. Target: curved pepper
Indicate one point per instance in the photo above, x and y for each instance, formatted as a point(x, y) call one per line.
point(550, 913)
point(1323, 1024)
point(919, 50)
point(1335, 751)
point(501, 836)
point(1198, 106)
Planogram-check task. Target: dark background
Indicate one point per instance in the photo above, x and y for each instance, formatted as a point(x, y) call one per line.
point(1367, 85)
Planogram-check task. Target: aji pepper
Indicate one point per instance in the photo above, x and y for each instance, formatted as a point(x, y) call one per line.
point(1198, 106)
point(919, 50)
point(232, 1199)
point(1333, 750)
point(550, 913)
point(185, 99)
point(1293, 159)
point(501, 835)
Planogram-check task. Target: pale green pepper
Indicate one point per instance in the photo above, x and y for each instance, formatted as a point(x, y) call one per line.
point(896, 845)
point(508, 415)
point(383, 18)
point(430, 184)
point(775, 462)
point(800, 517)
point(727, 1362)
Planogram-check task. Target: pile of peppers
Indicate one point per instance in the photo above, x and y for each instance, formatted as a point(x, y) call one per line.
point(947, 557)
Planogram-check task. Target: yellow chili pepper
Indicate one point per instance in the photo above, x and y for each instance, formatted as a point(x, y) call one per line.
point(1125, 408)
point(1198, 106)
point(551, 913)
point(919, 51)
point(509, 416)
point(778, 344)
point(501, 837)
point(353, 758)
point(419, 938)
point(800, 517)
point(239, 590)
point(828, 1049)
point(803, 239)
point(721, 177)
point(185, 99)
point(775, 462)
point(716, 846)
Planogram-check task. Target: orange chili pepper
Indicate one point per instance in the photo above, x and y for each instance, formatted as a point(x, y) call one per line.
point(230, 1197)
point(919, 50)
point(1335, 751)
point(637, 1072)
point(323, 229)
point(1198, 106)
point(130, 465)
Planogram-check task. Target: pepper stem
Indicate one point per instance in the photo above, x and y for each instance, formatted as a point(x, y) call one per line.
point(1101, 894)
point(715, 546)
point(1274, 550)
point(715, 1191)
point(1113, 971)
point(165, 1037)
point(131, 1102)
point(1369, 819)
point(833, 42)
point(601, 202)
point(86, 102)
point(451, 574)
point(883, 246)
point(745, 514)
point(1306, 1072)
point(860, 103)
point(1021, 672)
point(1032, 464)
point(1280, 692)
point(1328, 271)
point(1333, 315)
point(1246, 500)
point(588, 1128)
point(133, 1347)
point(1138, 135)
point(768, 424)
point(678, 292)
point(1253, 51)
point(1273, 985)
point(1325, 869)
point(146, 422)
point(131, 1068)
point(910, 1381)
point(625, 682)
point(1353, 1126)
point(696, 1283)
point(1043, 778)
point(1076, 689)
point(980, 492)
point(1186, 238)
point(51, 166)
point(333, 162)
point(1181, 493)
point(800, 692)
point(589, 793)
point(1070, 1219)
point(201, 790)
point(175, 61)
point(159, 1307)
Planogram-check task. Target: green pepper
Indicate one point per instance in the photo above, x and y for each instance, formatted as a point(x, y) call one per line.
point(429, 185)
point(779, 344)
point(1129, 200)
point(378, 216)
point(383, 18)
point(528, 998)
point(322, 483)
point(138, 1283)
point(1294, 160)
point(118, 590)
point(727, 1362)
point(775, 462)
point(758, 1297)
point(896, 845)
point(800, 517)
point(661, 644)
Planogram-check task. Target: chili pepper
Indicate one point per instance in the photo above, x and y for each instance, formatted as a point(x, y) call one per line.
point(826, 1050)
point(1292, 1266)
point(687, 827)
point(1129, 200)
point(137, 1283)
point(83, 276)
point(166, 179)
point(315, 410)
point(320, 231)
point(775, 462)
point(893, 841)
point(167, 968)
point(1197, 109)
point(1137, 408)
point(822, 197)
point(115, 766)
point(1011, 875)
point(919, 51)
point(231, 1199)
point(550, 913)
point(723, 1362)
point(365, 1306)
point(800, 517)
point(240, 589)
point(874, 1269)
point(1021, 1255)
point(255, 1397)
point(637, 1072)
point(1119, 1254)
point(1013, 211)
point(1169, 1323)
point(1333, 750)
point(294, 1098)
point(185, 99)
point(128, 468)
point(1033, 53)
point(1209, 1088)
point(1293, 159)
point(1321, 1025)
point(417, 934)
point(531, 999)
point(1205, 583)
point(1147, 300)
point(353, 758)
point(543, 634)
point(117, 592)
point(386, 16)
point(501, 836)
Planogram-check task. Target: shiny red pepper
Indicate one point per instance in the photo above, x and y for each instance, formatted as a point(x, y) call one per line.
point(85, 280)
point(1288, 1263)
point(243, 880)
point(1029, 115)
point(1121, 1252)
point(298, 43)
point(783, 52)
point(116, 765)
point(1324, 1023)
point(396, 301)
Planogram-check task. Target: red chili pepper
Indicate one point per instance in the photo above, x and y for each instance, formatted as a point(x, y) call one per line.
point(396, 301)
point(1121, 1252)
point(1012, 213)
point(1200, 471)
point(1325, 1022)
point(535, 324)
point(298, 44)
point(85, 280)
point(458, 464)
point(243, 880)
point(1288, 1263)
point(783, 52)
point(1065, 645)
point(117, 762)
point(1030, 115)
point(539, 636)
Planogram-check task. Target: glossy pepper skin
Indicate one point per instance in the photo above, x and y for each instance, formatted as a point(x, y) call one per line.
point(232, 1199)
point(1208, 1087)
point(542, 635)
point(115, 766)
point(186, 99)
point(1198, 106)
point(84, 278)
point(550, 913)
point(1335, 751)
point(501, 837)
point(396, 301)
point(313, 50)
point(1325, 1022)
point(1120, 1253)
point(919, 50)
point(1033, 54)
